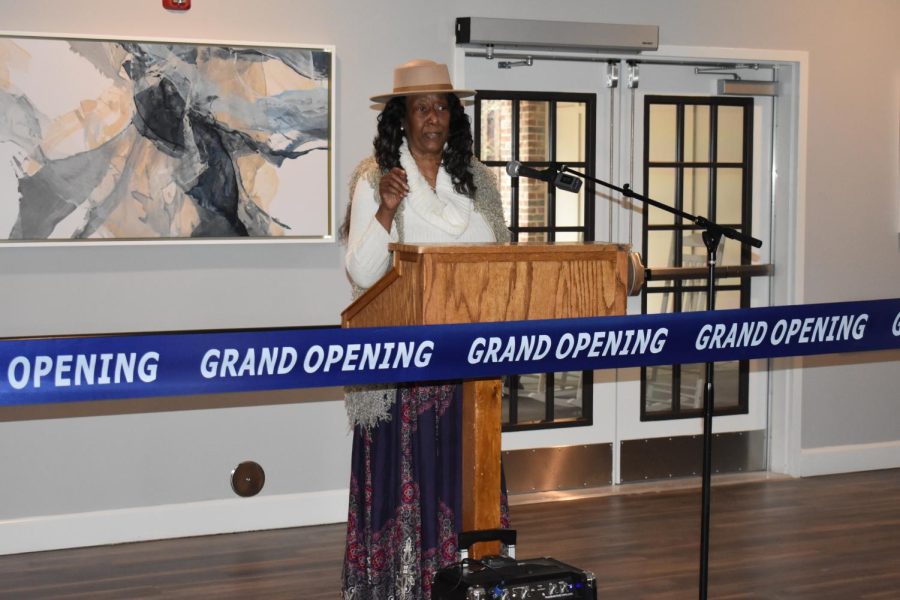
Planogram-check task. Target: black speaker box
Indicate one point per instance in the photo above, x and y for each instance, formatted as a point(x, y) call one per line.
point(506, 578)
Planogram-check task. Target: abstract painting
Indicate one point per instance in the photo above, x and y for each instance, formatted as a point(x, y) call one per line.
point(145, 140)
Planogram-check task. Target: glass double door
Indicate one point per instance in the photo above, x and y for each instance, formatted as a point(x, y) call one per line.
point(633, 410)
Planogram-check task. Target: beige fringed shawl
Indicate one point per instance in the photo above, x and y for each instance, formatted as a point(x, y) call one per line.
point(368, 405)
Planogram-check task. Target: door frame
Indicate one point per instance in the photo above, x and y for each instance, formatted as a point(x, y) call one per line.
point(785, 398)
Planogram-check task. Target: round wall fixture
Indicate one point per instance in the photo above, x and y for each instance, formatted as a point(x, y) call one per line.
point(247, 479)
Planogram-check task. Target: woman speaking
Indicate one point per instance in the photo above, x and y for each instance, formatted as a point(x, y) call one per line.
point(421, 185)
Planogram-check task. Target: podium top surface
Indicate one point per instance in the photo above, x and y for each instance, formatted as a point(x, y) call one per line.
point(477, 283)
point(501, 248)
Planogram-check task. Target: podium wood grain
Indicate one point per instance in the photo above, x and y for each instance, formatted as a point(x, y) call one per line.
point(433, 284)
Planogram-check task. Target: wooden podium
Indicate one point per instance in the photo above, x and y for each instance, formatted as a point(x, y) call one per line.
point(433, 284)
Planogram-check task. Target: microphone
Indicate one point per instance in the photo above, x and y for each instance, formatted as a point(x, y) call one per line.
point(516, 169)
point(563, 181)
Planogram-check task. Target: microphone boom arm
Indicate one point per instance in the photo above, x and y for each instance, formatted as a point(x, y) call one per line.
point(703, 222)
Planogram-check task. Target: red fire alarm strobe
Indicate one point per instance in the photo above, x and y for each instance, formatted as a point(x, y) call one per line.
point(176, 4)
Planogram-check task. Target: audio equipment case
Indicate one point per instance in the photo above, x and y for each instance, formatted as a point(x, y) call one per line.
point(503, 577)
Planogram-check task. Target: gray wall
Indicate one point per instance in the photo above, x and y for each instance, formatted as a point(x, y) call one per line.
point(851, 241)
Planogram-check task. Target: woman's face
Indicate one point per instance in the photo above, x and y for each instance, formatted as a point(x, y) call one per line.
point(427, 123)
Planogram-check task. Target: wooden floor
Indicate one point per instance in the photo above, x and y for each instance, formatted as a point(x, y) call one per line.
point(822, 537)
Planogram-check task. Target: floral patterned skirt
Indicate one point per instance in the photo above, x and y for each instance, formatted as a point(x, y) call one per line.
point(405, 497)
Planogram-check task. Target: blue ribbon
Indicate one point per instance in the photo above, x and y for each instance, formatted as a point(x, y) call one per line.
point(46, 370)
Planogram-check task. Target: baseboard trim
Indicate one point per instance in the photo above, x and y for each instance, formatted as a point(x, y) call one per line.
point(78, 530)
point(849, 459)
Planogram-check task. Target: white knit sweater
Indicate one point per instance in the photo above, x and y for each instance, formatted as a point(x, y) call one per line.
point(439, 215)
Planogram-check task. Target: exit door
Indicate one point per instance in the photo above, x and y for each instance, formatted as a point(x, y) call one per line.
point(642, 445)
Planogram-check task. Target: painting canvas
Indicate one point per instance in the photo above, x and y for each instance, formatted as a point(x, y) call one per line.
point(120, 139)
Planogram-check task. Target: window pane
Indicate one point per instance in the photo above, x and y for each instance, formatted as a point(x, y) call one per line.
point(693, 381)
point(569, 236)
point(504, 184)
point(730, 254)
point(504, 398)
point(695, 198)
point(693, 249)
point(661, 188)
point(534, 143)
point(533, 236)
point(693, 299)
point(567, 395)
point(728, 299)
point(661, 249)
point(729, 196)
point(660, 302)
point(730, 134)
point(532, 202)
point(659, 389)
point(496, 130)
point(663, 132)
point(571, 129)
point(532, 398)
point(696, 133)
point(726, 384)
point(569, 208)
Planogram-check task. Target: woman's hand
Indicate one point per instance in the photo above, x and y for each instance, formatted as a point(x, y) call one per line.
point(392, 189)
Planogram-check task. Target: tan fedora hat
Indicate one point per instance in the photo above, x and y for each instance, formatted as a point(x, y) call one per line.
point(421, 77)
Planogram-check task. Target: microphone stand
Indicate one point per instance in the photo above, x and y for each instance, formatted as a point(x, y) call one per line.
point(712, 235)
